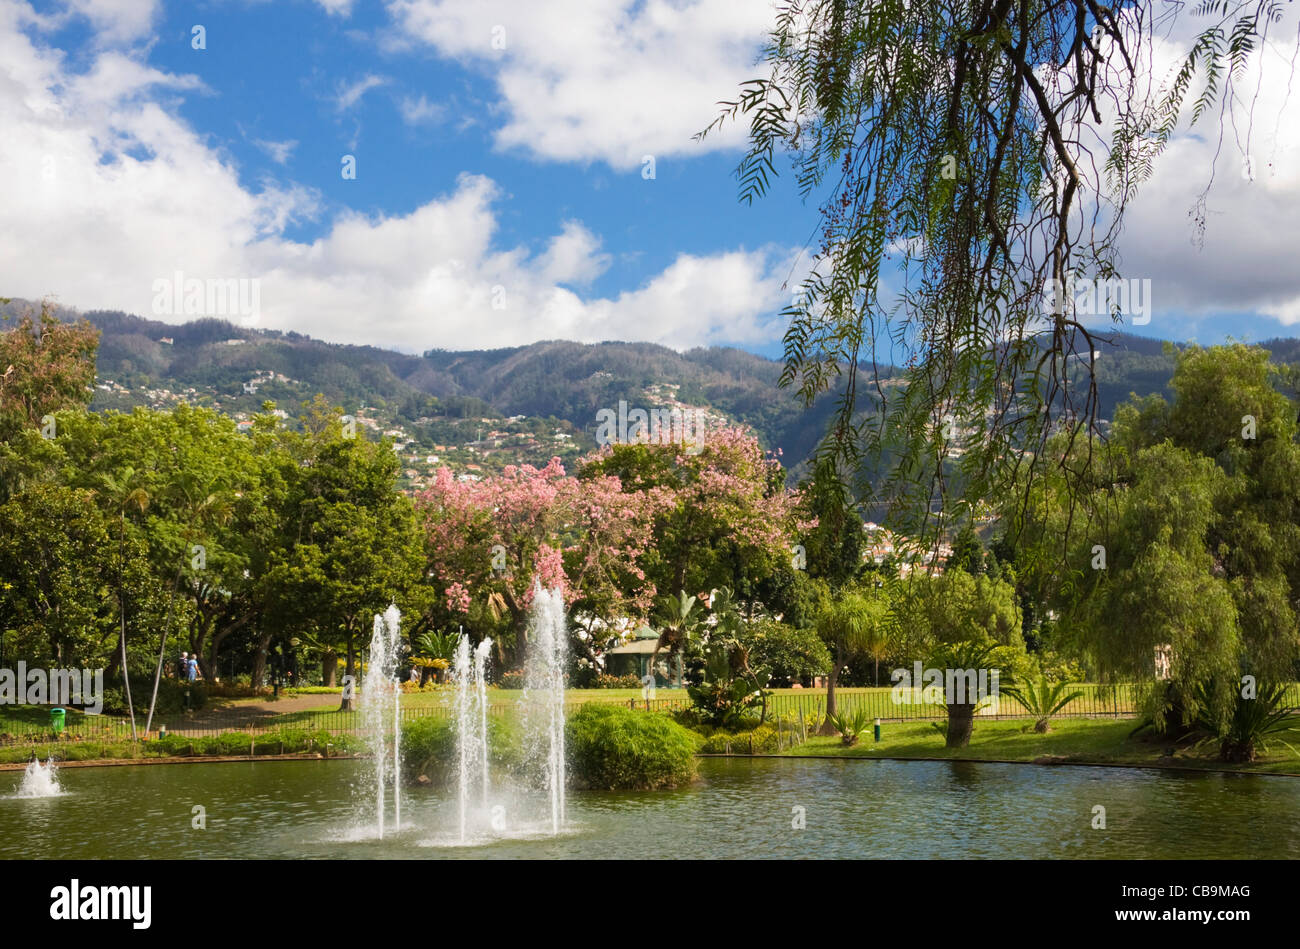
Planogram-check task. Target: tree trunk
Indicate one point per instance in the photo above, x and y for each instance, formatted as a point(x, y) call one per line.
point(162, 649)
point(121, 610)
point(126, 680)
point(828, 728)
point(961, 719)
point(518, 621)
point(329, 668)
point(349, 676)
point(259, 660)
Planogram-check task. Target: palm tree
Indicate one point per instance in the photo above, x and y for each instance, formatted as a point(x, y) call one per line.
point(879, 639)
point(677, 621)
point(1042, 700)
point(124, 493)
point(849, 624)
point(965, 654)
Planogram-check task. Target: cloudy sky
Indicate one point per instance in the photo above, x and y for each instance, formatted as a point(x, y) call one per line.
point(480, 173)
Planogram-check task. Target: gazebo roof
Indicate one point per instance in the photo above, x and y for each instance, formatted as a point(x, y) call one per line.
point(636, 647)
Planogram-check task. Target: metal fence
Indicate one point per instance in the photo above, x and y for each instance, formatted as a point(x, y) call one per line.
point(1094, 701)
point(904, 705)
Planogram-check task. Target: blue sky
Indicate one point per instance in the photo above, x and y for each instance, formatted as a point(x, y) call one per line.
point(499, 195)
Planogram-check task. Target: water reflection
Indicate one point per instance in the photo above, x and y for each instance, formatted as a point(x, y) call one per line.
point(761, 808)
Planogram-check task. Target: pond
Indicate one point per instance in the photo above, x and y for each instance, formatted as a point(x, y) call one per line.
point(739, 808)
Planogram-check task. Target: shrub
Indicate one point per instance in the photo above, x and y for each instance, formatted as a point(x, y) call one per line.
point(616, 682)
point(227, 743)
point(615, 748)
point(511, 679)
point(790, 655)
point(312, 690)
point(429, 747)
point(763, 741)
point(235, 689)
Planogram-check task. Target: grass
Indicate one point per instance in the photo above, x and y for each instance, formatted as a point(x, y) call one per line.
point(1095, 741)
point(227, 744)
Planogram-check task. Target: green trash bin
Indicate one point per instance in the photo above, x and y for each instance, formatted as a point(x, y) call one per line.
point(57, 715)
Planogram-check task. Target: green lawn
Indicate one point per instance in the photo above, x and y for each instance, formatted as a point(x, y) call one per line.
point(1099, 741)
point(1102, 741)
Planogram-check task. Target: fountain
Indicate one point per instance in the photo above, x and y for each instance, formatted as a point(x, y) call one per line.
point(544, 693)
point(471, 724)
point(39, 780)
point(543, 720)
point(381, 712)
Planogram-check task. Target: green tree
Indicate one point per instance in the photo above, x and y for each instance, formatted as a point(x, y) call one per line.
point(788, 653)
point(967, 552)
point(349, 543)
point(46, 365)
point(956, 621)
point(1188, 545)
point(849, 624)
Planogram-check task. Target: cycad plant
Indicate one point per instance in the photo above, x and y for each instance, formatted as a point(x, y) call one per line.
point(1042, 699)
point(436, 652)
point(850, 726)
point(1255, 723)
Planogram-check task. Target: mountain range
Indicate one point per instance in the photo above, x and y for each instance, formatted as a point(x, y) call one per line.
point(563, 384)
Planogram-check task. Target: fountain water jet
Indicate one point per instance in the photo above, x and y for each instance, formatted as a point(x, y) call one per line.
point(471, 722)
point(39, 780)
point(544, 685)
point(381, 708)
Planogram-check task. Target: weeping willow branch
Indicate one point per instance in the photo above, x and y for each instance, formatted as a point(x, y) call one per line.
point(965, 154)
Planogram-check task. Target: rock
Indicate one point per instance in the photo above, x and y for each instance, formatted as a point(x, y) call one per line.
point(423, 779)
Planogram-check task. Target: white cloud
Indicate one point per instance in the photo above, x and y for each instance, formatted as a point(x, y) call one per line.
point(106, 190)
point(350, 93)
point(601, 79)
point(340, 8)
point(1246, 263)
point(117, 21)
point(418, 111)
point(279, 152)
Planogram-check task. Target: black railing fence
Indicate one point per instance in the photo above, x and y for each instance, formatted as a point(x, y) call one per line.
point(1094, 701)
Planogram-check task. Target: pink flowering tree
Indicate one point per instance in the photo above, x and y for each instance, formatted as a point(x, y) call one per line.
point(722, 516)
point(490, 541)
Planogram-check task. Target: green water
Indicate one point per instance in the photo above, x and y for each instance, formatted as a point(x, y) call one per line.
point(739, 808)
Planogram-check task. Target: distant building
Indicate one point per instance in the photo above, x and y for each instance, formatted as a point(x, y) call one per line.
point(634, 658)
